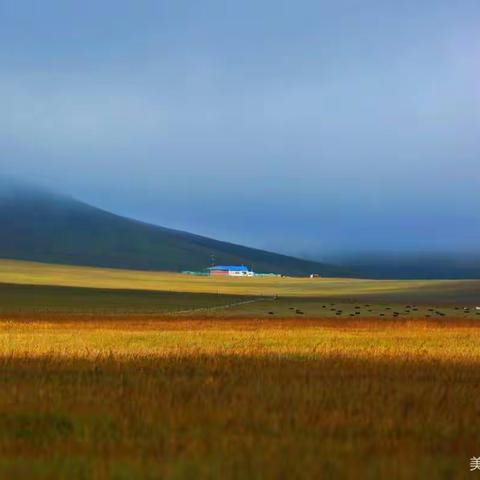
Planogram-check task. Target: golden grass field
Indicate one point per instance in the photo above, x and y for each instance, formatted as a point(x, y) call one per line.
point(19, 272)
point(107, 384)
point(205, 398)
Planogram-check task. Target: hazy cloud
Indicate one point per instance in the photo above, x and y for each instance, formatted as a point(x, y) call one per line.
point(306, 127)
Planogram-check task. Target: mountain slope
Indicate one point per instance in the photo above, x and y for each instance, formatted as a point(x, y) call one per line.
point(41, 226)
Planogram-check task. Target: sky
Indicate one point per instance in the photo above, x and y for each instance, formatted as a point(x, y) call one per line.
point(314, 128)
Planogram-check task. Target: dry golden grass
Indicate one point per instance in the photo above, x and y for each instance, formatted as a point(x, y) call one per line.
point(434, 291)
point(166, 336)
point(237, 398)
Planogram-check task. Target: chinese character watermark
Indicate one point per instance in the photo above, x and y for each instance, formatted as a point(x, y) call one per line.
point(474, 463)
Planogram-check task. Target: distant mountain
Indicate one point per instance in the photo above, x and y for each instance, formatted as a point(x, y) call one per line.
point(42, 226)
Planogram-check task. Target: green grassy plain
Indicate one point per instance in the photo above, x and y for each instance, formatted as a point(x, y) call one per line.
point(51, 300)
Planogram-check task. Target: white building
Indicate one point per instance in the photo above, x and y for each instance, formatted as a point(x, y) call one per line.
point(230, 270)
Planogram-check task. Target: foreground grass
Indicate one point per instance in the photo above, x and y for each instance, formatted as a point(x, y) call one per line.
point(420, 291)
point(203, 398)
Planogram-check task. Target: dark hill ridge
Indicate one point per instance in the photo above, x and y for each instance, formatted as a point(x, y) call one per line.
point(42, 226)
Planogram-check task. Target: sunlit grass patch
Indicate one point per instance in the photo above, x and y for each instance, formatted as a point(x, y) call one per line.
point(249, 398)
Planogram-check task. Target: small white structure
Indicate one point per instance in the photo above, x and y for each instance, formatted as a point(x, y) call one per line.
point(230, 270)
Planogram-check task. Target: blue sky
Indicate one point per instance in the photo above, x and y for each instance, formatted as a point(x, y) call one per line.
point(308, 127)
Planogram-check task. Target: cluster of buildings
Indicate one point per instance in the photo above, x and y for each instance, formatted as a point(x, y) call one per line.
point(231, 270)
point(235, 271)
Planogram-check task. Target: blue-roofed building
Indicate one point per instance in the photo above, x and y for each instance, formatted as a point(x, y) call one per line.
point(231, 270)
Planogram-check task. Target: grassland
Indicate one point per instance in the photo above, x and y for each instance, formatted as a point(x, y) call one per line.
point(421, 291)
point(40, 299)
point(200, 398)
point(54, 303)
point(101, 383)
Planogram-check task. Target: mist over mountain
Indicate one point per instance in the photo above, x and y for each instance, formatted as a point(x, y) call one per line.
point(424, 265)
point(43, 226)
point(321, 130)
